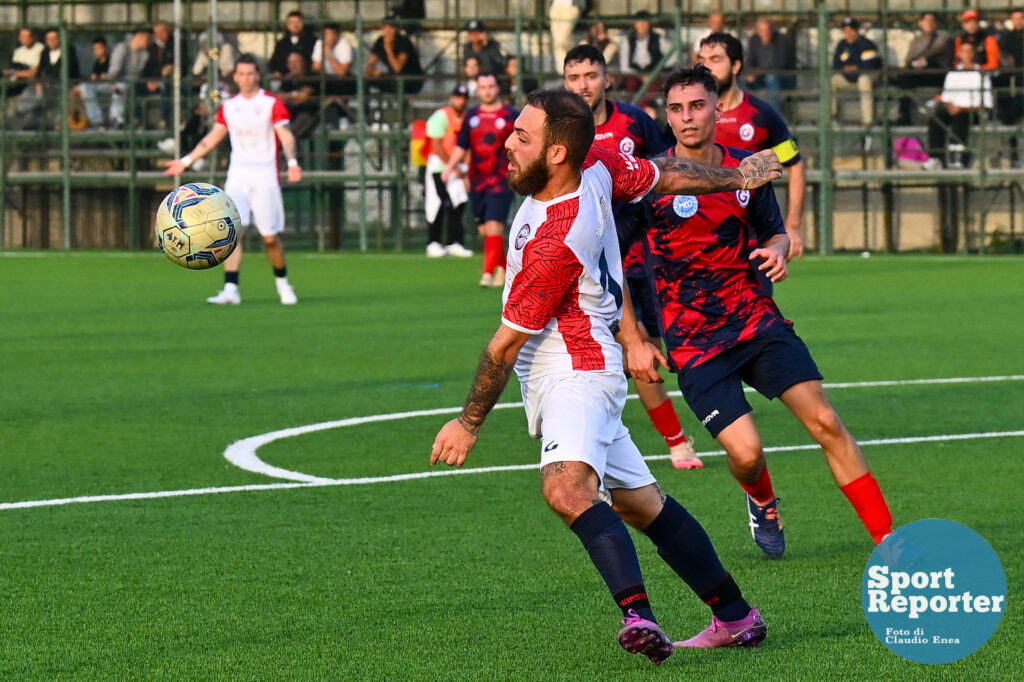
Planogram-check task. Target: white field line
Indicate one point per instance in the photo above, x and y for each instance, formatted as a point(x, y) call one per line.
point(243, 453)
point(325, 482)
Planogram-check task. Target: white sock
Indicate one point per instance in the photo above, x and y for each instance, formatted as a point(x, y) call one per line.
point(231, 287)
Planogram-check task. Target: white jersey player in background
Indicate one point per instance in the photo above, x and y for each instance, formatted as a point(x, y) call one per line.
point(563, 298)
point(256, 121)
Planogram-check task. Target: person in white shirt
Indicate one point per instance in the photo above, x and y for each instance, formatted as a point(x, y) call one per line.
point(639, 52)
point(258, 124)
point(562, 304)
point(966, 93)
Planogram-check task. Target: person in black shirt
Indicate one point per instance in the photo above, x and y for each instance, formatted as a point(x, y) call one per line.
point(857, 61)
point(393, 54)
point(770, 55)
point(44, 95)
point(297, 38)
point(1010, 107)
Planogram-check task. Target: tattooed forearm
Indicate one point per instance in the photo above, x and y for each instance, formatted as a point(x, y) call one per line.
point(552, 469)
point(680, 176)
point(491, 377)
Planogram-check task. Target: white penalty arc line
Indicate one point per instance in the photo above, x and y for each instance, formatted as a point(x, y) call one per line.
point(243, 453)
point(325, 482)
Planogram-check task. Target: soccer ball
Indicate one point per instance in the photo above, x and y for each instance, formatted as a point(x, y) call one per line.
point(197, 226)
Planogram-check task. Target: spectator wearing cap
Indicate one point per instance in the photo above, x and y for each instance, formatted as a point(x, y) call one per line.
point(393, 55)
point(857, 61)
point(639, 52)
point(492, 59)
point(297, 38)
point(445, 201)
point(986, 47)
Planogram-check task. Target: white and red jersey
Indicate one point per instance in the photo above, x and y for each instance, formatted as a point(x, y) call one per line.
point(564, 276)
point(251, 122)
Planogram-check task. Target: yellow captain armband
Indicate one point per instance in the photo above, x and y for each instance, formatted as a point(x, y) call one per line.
point(786, 151)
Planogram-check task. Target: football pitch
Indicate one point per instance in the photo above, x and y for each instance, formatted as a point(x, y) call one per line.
point(326, 548)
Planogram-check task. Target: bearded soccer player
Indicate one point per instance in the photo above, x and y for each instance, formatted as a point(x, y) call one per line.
point(622, 127)
point(258, 124)
point(722, 330)
point(562, 301)
point(750, 123)
point(485, 127)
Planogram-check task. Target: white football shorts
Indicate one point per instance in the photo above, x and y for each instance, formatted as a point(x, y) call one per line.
point(578, 418)
point(258, 204)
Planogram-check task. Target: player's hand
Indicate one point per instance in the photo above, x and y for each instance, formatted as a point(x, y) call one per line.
point(452, 444)
point(294, 173)
point(761, 168)
point(642, 360)
point(774, 265)
point(446, 175)
point(175, 167)
point(796, 240)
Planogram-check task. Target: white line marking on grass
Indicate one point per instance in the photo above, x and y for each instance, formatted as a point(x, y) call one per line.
point(326, 482)
point(243, 453)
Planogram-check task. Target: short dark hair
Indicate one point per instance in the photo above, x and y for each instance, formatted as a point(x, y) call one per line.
point(568, 122)
point(99, 39)
point(585, 53)
point(333, 26)
point(733, 46)
point(697, 74)
point(247, 58)
point(294, 13)
point(933, 15)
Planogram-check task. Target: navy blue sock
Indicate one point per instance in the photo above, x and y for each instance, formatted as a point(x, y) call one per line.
point(231, 277)
point(610, 547)
point(685, 546)
point(281, 272)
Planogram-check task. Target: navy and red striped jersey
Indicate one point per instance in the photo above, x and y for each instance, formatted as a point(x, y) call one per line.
point(755, 126)
point(698, 263)
point(629, 130)
point(483, 135)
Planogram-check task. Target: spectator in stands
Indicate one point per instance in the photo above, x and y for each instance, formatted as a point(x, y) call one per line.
point(599, 37)
point(986, 47)
point(1011, 47)
point(127, 65)
point(493, 60)
point(24, 64)
point(299, 95)
point(98, 85)
point(48, 86)
point(393, 55)
point(770, 54)
point(160, 66)
point(967, 91)
point(563, 15)
point(471, 67)
point(857, 60)
point(715, 24)
point(639, 52)
point(333, 57)
point(222, 51)
point(928, 59)
point(297, 38)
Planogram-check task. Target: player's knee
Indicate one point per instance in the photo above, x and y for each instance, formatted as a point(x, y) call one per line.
point(746, 460)
point(563, 499)
point(825, 424)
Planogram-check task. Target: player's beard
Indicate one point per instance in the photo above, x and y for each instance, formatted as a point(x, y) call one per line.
point(725, 85)
point(530, 179)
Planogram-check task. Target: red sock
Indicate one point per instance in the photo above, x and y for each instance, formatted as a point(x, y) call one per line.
point(500, 248)
point(866, 498)
point(493, 253)
point(762, 491)
point(666, 421)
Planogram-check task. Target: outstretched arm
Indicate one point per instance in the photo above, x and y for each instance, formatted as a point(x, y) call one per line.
point(457, 437)
point(681, 176)
point(205, 146)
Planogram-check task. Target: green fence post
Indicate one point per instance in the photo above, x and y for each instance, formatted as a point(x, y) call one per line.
point(826, 194)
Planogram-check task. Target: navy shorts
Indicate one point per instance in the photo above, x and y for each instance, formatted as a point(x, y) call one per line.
point(491, 205)
point(644, 308)
point(769, 363)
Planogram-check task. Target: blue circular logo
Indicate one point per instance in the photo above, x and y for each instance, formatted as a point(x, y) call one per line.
point(934, 591)
point(524, 234)
point(684, 206)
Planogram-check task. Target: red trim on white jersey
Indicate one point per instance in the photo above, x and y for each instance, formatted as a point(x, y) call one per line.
point(251, 124)
point(632, 178)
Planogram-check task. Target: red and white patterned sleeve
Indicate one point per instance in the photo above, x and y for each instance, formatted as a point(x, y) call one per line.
point(279, 114)
point(550, 271)
point(632, 177)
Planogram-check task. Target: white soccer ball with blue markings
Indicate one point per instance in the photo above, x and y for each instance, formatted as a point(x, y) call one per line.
point(197, 226)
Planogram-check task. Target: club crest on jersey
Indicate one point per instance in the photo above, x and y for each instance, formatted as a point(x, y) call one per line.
point(499, 123)
point(685, 206)
point(626, 145)
point(474, 122)
point(746, 132)
point(524, 234)
point(743, 197)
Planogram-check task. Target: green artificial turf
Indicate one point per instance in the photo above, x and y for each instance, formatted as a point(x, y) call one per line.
point(116, 378)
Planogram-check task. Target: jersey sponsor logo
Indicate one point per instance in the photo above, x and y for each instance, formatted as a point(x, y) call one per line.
point(705, 420)
point(474, 122)
point(551, 446)
point(627, 145)
point(746, 132)
point(522, 237)
point(603, 136)
point(685, 206)
point(629, 162)
point(743, 197)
